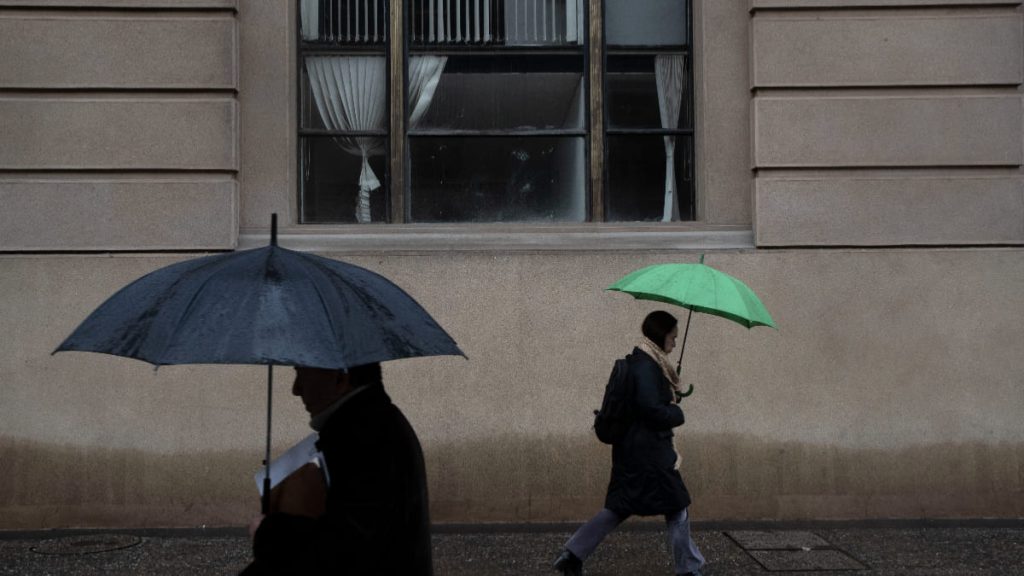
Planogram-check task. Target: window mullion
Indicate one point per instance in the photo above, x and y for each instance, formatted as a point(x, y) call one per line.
point(595, 48)
point(396, 104)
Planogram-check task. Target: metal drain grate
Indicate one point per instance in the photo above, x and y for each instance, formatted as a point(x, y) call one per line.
point(86, 544)
point(793, 551)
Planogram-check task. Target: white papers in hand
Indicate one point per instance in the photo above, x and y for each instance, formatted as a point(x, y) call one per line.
point(296, 457)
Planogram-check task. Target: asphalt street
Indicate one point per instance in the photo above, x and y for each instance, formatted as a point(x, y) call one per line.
point(935, 548)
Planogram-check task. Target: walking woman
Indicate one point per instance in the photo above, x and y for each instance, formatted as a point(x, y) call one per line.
point(645, 479)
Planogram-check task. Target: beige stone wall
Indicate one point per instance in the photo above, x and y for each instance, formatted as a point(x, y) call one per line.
point(118, 125)
point(891, 390)
point(887, 123)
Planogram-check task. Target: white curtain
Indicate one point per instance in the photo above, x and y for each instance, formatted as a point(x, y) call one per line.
point(310, 14)
point(424, 76)
point(670, 76)
point(349, 92)
point(350, 95)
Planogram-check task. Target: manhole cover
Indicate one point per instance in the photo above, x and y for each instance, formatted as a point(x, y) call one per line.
point(792, 551)
point(801, 560)
point(86, 544)
point(777, 540)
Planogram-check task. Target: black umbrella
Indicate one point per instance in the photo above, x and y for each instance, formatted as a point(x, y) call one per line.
point(268, 306)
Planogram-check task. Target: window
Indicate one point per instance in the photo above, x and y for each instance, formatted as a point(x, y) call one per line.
point(485, 111)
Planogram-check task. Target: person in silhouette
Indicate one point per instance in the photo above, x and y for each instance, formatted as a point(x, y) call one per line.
point(375, 518)
point(645, 479)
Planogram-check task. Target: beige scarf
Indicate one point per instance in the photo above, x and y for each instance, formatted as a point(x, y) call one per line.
point(655, 351)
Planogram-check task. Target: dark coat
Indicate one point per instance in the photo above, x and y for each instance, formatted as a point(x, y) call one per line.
point(377, 520)
point(644, 480)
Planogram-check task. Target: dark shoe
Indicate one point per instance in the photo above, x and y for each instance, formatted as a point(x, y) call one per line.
point(568, 564)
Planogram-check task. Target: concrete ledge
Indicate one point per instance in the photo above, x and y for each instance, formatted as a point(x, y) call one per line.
point(69, 50)
point(426, 239)
point(88, 215)
point(890, 211)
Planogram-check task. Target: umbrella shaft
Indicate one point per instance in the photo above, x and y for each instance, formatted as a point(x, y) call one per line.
point(265, 501)
point(679, 365)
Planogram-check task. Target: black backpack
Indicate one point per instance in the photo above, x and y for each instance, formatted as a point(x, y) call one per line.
point(615, 417)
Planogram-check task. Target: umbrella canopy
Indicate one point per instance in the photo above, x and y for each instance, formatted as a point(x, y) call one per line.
point(267, 305)
point(699, 288)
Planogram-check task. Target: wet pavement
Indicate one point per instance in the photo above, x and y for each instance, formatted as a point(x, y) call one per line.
point(933, 548)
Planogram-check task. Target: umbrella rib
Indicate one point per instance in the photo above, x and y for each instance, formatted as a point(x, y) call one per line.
point(323, 301)
point(195, 296)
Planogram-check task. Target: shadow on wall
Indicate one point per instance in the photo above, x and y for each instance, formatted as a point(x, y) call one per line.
point(518, 479)
point(731, 477)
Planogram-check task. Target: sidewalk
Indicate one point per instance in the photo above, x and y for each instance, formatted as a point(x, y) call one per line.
point(811, 549)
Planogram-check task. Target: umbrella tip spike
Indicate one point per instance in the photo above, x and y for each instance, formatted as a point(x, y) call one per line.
point(273, 229)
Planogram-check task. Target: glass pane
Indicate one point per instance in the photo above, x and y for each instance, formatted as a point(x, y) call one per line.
point(478, 179)
point(633, 99)
point(494, 92)
point(344, 22)
point(496, 22)
point(343, 93)
point(332, 169)
point(637, 178)
point(645, 22)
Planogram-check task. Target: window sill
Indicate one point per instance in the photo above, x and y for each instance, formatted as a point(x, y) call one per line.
point(428, 238)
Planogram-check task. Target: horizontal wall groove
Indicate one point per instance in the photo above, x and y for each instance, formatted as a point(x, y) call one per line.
point(128, 173)
point(105, 94)
point(902, 169)
point(106, 11)
point(86, 7)
point(884, 91)
point(759, 7)
point(887, 247)
point(115, 92)
point(855, 12)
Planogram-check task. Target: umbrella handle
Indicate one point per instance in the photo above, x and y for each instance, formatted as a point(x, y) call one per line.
point(681, 395)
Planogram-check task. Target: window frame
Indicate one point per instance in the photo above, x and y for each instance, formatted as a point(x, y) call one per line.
point(595, 131)
point(303, 50)
point(687, 50)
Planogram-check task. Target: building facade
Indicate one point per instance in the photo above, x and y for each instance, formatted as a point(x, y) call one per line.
point(858, 163)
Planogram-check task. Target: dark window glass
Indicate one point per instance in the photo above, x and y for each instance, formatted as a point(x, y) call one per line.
point(632, 92)
point(496, 101)
point(507, 92)
point(331, 182)
point(649, 137)
point(637, 177)
point(645, 22)
point(502, 179)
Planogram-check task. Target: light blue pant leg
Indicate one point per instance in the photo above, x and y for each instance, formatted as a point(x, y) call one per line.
point(685, 554)
point(585, 540)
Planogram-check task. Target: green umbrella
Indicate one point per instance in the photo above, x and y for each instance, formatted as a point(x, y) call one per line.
point(698, 288)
